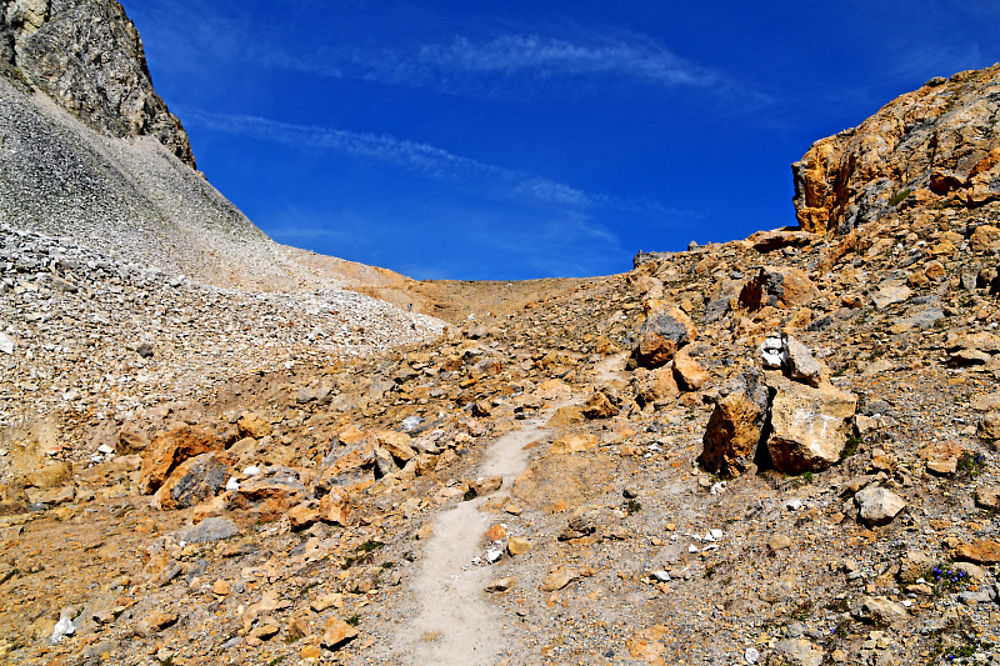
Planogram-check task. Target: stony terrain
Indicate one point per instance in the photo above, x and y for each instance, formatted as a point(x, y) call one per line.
point(777, 450)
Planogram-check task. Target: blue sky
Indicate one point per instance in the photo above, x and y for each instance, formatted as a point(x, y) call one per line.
point(512, 140)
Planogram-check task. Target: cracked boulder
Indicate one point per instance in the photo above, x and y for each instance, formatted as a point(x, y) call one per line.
point(778, 287)
point(809, 426)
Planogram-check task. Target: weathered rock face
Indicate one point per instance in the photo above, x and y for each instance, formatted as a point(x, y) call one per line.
point(88, 57)
point(938, 142)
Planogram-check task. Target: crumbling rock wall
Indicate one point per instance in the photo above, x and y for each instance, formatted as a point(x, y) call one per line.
point(939, 145)
point(88, 57)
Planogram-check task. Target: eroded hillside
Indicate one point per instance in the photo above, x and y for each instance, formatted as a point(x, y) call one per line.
point(774, 450)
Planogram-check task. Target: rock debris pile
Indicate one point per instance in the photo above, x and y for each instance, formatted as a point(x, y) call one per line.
point(87, 334)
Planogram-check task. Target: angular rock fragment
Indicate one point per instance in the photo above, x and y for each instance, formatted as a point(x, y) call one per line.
point(879, 610)
point(878, 506)
point(170, 449)
point(942, 457)
point(195, 480)
point(891, 292)
point(655, 387)
point(398, 444)
point(729, 445)
point(809, 426)
point(665, 330)
point(988, 427)
point(337, 634)
point(689, 373)
point(779, 287)
point(983, 551)
point(562, 575)
point(802, 365)
point(599, 406)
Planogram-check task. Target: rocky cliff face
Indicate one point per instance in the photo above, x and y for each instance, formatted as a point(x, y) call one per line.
point(88, 57)
point(939, 145)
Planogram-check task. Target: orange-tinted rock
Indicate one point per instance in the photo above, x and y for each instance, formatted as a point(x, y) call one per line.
point(396, 443)
point(487, 485)
point(562, 575)
point(598, 406)
point(689, 372)
point(566, 415)
point(778, 287)
point(496, 532)
point(942, 457)
point(337, 634)
point(984, 551)
point(665, 330)
point(573, 444)
point(302, 516)
point(170, 449)
point(940, 141)
point(334, 507)
point(731, 438)
point(254, 425)
point(655, 387)
point(193, 481)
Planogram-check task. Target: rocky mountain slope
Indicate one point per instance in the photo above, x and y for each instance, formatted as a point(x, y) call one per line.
point(777, 450)
point(87, 56)
point(90, 152)
point(936, 146)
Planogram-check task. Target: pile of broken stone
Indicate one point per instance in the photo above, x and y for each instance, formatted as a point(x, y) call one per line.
point(84, 332)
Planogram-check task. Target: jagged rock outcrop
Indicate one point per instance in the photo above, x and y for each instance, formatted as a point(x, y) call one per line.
point(88, 57)
point(939, 144)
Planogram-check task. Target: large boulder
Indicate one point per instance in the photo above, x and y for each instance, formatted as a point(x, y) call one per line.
point(809, 426)
point(170, 449)
point(665, 330)
point(729, 445)
point(779, 287)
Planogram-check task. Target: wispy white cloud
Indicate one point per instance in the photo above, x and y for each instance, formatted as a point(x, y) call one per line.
point(638, 58)
point(467, 65)
point(429, 161)
point(441, 165)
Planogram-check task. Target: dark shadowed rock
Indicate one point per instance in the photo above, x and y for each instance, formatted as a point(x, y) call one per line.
point(665, 330)
point(734, 430)
point(779, 287)
point(194, 481)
